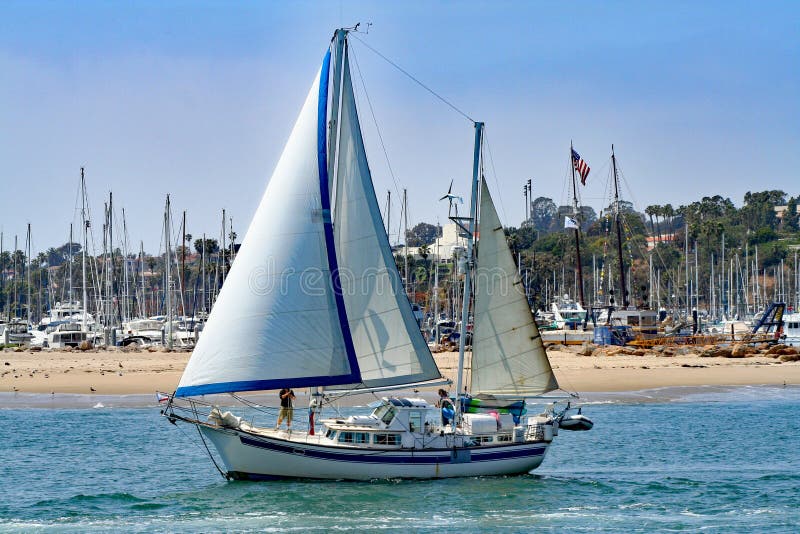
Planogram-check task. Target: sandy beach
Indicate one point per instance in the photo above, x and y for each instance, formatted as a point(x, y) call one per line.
point(114, 372)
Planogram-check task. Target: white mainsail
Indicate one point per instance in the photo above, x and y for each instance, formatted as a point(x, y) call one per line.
point(276, 321)
point(386, 338)
point(279, 320)
point(508, 356)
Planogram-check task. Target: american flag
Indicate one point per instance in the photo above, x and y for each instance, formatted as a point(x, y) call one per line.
point(580, 166)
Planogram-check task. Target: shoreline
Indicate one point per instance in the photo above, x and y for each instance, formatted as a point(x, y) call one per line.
point(117, 373)
point(665, 394)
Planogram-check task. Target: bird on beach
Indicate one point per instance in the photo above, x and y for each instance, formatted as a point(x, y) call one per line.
point(120, 365)
point(92, 389)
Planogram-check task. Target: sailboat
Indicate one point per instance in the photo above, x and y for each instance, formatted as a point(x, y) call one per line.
point(315, 300)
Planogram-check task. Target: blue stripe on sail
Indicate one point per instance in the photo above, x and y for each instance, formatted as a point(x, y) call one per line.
point(261, 385)
point(324, 189)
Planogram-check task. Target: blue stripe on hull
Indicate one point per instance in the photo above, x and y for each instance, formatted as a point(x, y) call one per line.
point(389, 457)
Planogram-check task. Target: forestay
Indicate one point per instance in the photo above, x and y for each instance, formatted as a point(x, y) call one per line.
point(508, 355)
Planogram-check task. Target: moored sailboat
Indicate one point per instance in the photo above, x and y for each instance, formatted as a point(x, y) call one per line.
point(317, 292)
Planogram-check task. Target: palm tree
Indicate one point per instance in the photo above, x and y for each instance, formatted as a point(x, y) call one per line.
point(424, 251)
point(659, 211)
point(669, 212)
point(649, 211)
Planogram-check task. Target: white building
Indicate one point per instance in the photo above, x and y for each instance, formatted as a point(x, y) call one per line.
point(444, 247)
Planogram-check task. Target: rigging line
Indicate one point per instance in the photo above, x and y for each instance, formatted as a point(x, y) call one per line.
point(431, 91)
point(494, 175)
point(375, 121)
point(224, 475)
point(669, 272)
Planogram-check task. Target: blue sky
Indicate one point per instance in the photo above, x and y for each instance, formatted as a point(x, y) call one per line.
point(196, 99)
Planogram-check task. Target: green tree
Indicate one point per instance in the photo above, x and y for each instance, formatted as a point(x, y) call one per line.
point(650, 211)
point(759, 209)
point(543, 211)
point(790, 216)
point(422, 234)
point(211, 246)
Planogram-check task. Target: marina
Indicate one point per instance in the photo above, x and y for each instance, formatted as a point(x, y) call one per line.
point(267, 267)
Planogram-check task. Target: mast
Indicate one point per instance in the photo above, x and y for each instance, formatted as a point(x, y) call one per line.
point(110, 292)
point(183, 263)
point(405, 240)
point(28, 274)
point(83, 254)
point(622, 285)
point(723, 295)
point(436, 290)
point(232, 236)
point(686, 269)
point(650, 280)
point(143, 301)
point(713, 305)
point(126, 286)
point(578, 266)
point(69, 267)
point(203, 269)
point(222, 249)
point(167, 268)
point(473, 209)
point(696, 294)
point(16, 285)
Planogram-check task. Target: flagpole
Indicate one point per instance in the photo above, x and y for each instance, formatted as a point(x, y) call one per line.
point(577, 229)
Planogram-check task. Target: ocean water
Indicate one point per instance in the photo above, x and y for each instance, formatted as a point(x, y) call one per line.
point(683, 460)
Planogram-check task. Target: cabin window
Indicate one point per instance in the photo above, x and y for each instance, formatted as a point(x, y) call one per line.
point(387, 439)
point(482, 439)
point(330, 434)
point(385, 413)
point(414, 421)
point(633, 320)
point(503, 438)
point(353, 437)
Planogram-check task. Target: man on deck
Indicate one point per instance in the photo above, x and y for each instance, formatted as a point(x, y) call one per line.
point(287, 410)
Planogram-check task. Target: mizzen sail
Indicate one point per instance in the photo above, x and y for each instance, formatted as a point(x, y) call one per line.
point(508, 356)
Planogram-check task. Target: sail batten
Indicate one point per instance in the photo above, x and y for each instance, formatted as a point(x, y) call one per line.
point(508, 356)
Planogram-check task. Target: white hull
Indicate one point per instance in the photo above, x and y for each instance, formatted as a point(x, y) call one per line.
point(567, 337)
point(252, 457)
point(791, 330)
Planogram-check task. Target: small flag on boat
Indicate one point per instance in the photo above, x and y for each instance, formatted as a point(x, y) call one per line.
point(161, 397)
point(580, 166)
point(569, 222)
